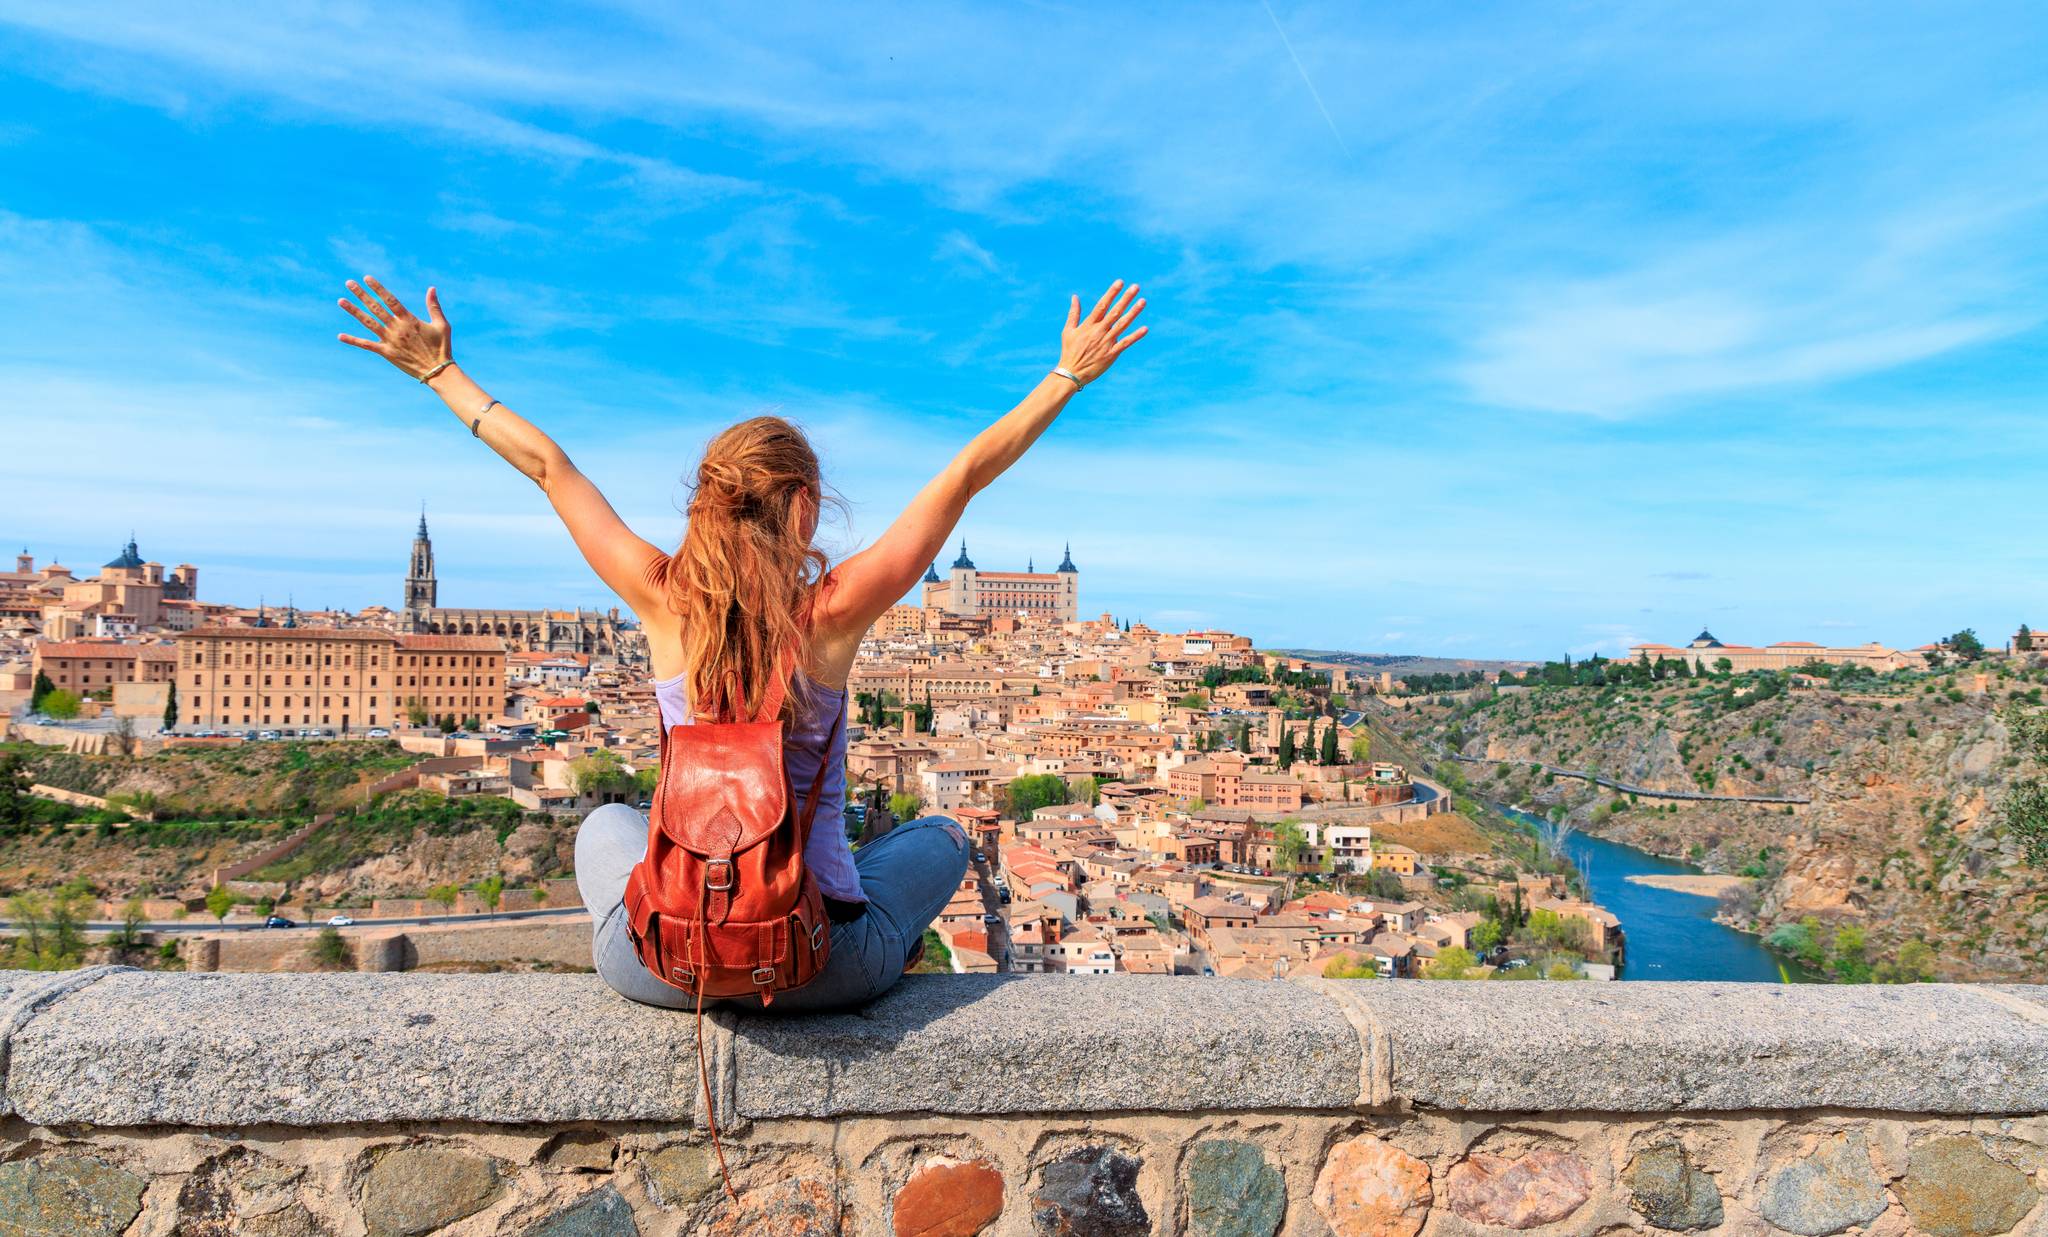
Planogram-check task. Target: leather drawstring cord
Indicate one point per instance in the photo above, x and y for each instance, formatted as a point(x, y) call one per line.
point(704, 1070)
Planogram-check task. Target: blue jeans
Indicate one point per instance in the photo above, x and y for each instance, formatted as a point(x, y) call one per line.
point(908, 875)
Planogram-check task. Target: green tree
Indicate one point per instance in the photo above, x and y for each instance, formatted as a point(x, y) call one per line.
point(1361, 747)
point(416, 712)
point(1723, 667)
point(1965, 645)
point(472, 724)
point(1850, 965)
point(171, 706)
point(1485, 935)
point(129, 936)
point(43, 687)
point(644, 781)
point(1193, 700)
point(62, 705)
point(1285, 756)
point(490, 890)
point(219, 901)
point(1452, 963)
point(2024, 642)
point(1562, 970)
point(1289, 841)
point(1913, 965)
point(905, 806)
point(329, 950)
point(15, 780)
point(599, 772)
point(1025, 795)
point(445, 895)
point(1358, 968)
point(1328, 754)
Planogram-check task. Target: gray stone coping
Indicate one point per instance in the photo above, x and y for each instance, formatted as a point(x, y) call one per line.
point(117, 1047)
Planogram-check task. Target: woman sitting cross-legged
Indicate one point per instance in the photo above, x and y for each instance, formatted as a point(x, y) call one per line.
point(748, 624)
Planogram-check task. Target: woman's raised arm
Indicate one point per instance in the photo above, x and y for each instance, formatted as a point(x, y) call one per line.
point(871, 581)
point(424, 350)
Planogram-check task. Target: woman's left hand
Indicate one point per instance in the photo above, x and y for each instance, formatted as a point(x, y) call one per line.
point(405, 341)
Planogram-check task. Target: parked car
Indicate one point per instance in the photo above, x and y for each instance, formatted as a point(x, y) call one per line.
point(267, 734)
point(991, 917)
point(378, 732)
point(645, 804)
point(1514, 964)
point(1003, 895)
point(979, 857)
point(340, 921)
point(278, 921)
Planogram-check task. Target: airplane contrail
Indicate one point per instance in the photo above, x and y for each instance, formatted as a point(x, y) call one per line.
point(1313, 93)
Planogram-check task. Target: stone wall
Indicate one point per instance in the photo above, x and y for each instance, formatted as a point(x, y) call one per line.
point(562, 941)
point(383, 1104)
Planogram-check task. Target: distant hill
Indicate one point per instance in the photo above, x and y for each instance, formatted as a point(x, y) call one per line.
point(1399, 664)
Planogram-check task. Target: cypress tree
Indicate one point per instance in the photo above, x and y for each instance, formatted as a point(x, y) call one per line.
point(1329, 752)
point(1285, 756)
point(42, 688)
point(171, 707)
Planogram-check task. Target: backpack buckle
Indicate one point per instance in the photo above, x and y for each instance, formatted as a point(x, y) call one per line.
point(764, 975)
point(715, 886)
point(687, 979)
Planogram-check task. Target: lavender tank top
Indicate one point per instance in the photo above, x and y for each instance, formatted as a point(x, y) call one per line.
point(828, 855)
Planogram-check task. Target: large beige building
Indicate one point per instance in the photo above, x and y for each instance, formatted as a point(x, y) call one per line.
point(344, 678)
point(968, 590)
point(1785, 655)
point(88, 666)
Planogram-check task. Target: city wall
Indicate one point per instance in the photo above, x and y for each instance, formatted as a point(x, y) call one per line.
point(542, 1104)
point(556, 942)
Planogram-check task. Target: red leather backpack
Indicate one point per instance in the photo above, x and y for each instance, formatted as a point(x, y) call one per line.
point(722, 905)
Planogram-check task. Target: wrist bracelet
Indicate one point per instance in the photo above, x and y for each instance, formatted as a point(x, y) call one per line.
point(1069, 375)
point(479, 418)
point(437, 369)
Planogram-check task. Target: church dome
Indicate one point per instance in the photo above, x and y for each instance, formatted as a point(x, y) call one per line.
point(129, 557)
point(1067, 561)
point(963, 563)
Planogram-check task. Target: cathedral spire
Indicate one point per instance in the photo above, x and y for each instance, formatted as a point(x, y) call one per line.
point(963, 563)
point(1067, 562)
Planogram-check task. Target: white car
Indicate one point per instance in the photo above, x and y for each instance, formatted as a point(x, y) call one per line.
point(340, 921)
point(379, 733)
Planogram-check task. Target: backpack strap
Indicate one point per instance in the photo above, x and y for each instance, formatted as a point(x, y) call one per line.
point(818, 780)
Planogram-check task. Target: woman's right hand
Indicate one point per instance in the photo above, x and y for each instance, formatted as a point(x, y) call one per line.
point(1090, 345)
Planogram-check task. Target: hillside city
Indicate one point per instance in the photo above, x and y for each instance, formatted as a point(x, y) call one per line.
point(1141, 801)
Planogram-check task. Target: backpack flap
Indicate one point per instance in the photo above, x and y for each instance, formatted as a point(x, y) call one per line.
point(722, 786)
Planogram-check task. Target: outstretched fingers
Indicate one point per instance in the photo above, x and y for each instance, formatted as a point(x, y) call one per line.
point(373, 325)
point(1128, 340)
point(1130, 315)
point(1074, 312)
point(397, 309)
point(1095, 315)
point(376, 306)
point(1122, 303)
point(434, 314)
point(367, 345)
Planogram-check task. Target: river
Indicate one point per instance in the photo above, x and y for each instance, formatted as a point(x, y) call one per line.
point(1670, 935)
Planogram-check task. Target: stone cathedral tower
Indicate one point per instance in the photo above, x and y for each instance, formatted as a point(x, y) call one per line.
point(419, 577)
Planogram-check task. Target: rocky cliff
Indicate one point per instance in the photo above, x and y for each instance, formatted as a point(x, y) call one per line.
point(1902, 836)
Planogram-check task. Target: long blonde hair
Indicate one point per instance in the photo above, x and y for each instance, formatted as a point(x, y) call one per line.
point(745, 576)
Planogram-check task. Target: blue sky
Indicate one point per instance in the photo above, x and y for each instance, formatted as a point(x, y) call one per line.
point(1476, 330)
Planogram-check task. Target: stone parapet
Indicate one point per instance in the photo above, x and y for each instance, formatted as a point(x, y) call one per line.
point(510, 1104)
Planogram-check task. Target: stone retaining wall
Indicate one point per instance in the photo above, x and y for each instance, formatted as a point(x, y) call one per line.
point(385, 1104)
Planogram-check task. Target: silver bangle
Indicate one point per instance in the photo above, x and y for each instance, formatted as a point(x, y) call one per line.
point(437, 369)
point(1068, 374)
point(479, 418)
